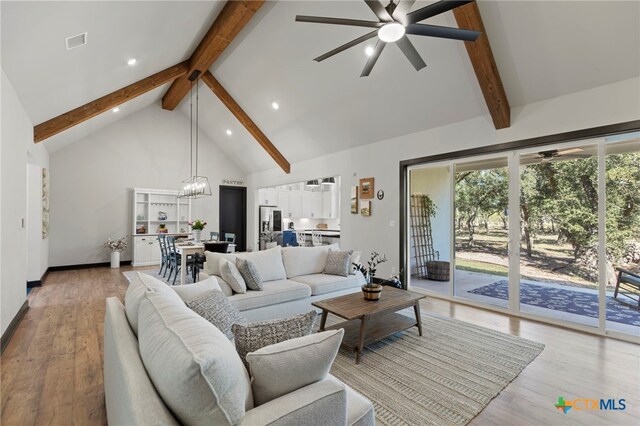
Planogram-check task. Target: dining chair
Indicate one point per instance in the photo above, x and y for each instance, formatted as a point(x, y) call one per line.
point(316, 238)
point(164, 256)
point(301, 239)
point(175, 260)
point(229, 237)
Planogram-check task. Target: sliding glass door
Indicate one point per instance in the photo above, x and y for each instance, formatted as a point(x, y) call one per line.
point(552, 232)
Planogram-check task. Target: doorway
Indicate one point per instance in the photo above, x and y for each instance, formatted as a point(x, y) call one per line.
point(233, 214)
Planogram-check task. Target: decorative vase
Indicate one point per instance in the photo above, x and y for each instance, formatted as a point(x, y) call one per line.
point(372, 291)
point(115, 259)
point(197, 235)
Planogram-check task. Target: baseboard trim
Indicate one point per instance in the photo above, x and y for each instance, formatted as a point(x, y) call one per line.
point(85, 266)
point(13, 326)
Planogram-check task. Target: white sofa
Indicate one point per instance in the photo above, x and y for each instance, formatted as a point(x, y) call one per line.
point(292, 278)
point(154, 349)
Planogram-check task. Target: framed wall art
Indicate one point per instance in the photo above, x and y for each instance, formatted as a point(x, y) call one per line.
point(45, 203)
point(366, 188)
point(354, 200)
point(365, 208)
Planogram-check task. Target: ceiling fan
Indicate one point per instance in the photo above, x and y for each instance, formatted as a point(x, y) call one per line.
point(554, 154)
point(394, 23)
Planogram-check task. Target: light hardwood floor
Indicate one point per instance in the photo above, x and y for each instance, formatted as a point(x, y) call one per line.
point(52, 368)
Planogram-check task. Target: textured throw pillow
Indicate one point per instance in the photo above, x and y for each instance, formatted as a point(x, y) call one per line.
point(338, 263)
point(216, 308)
point(191, 292)
point(232, 276)
point(250, 273)
point(355, 258)
point(251, 337)
point(282, 368)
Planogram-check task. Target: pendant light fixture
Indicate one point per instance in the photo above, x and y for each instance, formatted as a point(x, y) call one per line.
point(313, 183)
point(328, 181)
point(196, 186)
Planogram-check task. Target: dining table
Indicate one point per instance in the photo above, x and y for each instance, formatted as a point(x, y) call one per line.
point(187, 250)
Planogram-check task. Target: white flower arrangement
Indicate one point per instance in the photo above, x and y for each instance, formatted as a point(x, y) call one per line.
point(118, 245)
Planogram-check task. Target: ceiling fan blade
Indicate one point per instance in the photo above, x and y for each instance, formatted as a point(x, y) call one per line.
point(411, 53)
point(401, 10)
point(346, 46)
point(442, 32)
point(570, 151)
point(434, 9)
point(338, 21)
point(379, 10)
point(373, 58)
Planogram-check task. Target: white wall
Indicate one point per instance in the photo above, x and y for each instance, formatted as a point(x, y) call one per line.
point(38, 248)
point(91, 181)
point(17, 134)
point(614, 103)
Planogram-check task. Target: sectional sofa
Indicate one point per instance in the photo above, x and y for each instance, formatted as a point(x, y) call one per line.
point(166, 365)
point(293, 278)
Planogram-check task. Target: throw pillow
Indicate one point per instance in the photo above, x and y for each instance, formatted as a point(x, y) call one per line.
point(192, 365)
point(285, 367)
point(191, 292)
point(250, 273)
point(251, 337)
point(216, 308)
point(232, 276)
point(338, 263)
point(138, 284)
point(355, 258)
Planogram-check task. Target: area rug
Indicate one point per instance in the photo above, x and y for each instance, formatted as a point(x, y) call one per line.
point(445, 377)
point(154, 273)
point(564, 300)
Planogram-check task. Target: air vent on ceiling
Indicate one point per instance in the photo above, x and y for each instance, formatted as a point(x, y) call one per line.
point(76, 40)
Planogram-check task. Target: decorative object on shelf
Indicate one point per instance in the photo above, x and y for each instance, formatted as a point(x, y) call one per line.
point(116, 247)
point(45, 203)
point(162, 229)
point(162, 215)
point(354, 200)
point(366, 188)
point(141, 229)
point(371, 290)
point(197, 226)
point(365, 208)
point(196, 186)
point(140, 217)
point(380, 194)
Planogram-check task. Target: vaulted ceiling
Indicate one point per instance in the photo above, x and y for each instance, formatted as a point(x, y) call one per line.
point(542, 50)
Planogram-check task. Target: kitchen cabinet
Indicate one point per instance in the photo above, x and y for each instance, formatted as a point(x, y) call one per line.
point(311, 204)
point(268, 197)
point(146, 250)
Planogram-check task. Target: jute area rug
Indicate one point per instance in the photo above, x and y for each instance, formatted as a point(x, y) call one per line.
point(445, 377)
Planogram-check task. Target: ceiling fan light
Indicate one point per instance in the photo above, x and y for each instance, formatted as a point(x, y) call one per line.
point(391, 32)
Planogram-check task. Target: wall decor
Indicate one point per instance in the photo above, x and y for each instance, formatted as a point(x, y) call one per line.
point(366, 188)
point(45, 203)
point(365, 208)
point(380, 194)
point(354, 200)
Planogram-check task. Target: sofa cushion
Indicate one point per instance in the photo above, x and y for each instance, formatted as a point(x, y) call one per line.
point(212, 263)
point(338, 263)
point(216, 308)
point(268, 263)
point(287, 366)
point(305, 260)
point(250, 273)
point(273, 292)
point(190, 292)
point(138, 284)
point(232, 276)
point(257, 335)
point(193, 366)
point(323, 283)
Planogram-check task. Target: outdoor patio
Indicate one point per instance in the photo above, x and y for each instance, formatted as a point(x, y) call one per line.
point(550, 300)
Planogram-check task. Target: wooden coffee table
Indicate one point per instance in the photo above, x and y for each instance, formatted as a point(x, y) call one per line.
point(369, 321)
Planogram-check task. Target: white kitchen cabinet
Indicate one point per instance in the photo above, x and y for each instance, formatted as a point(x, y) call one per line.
point(268, 197)
point(146, 250)
point(289, 201)
point(311, 204)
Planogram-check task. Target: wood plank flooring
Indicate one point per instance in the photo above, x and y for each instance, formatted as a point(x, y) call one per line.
point(51, 371)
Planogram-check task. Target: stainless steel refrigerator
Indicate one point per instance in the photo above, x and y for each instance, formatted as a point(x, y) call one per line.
point(270, 219)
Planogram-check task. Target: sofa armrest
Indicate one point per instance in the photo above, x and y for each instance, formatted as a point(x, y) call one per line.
point(323, 402)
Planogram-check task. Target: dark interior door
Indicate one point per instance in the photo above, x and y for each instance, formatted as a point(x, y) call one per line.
point(233, 214)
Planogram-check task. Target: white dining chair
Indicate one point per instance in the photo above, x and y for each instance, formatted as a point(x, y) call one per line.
point(300, 239)
point(316, 238)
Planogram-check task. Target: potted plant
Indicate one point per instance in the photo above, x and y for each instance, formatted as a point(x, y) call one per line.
point(197, 226)
point(268, 237)
point(116, 247)
point(371, 290)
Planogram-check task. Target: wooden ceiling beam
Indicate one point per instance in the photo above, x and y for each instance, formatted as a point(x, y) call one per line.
point(246, 121)
point(484, 65)
point(231, 20)
point(76, 116)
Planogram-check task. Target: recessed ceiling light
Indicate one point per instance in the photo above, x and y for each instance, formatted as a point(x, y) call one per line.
point(116, 109)
point(229, 132)
point(132, 61)
point(368, 50)
point(275, 105)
